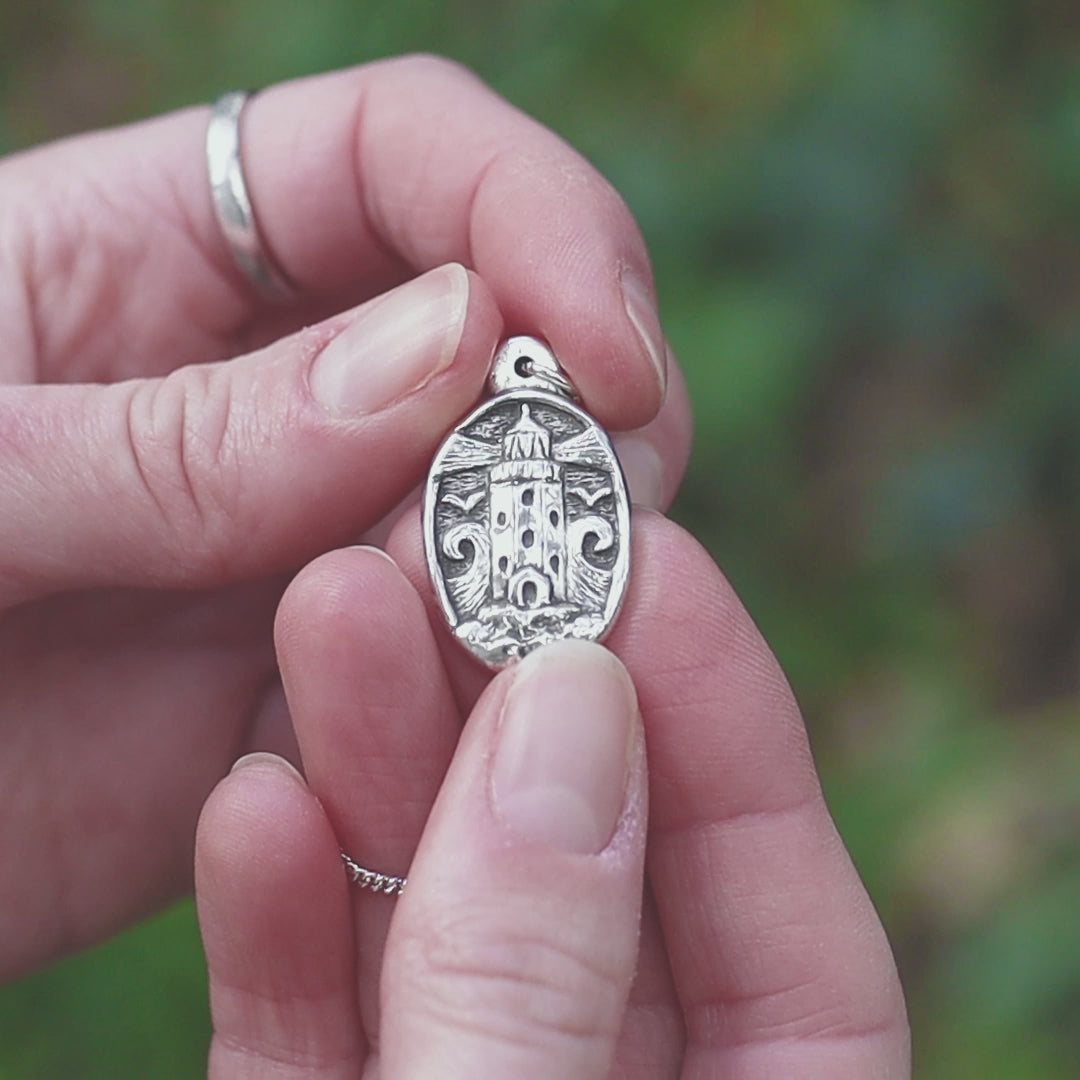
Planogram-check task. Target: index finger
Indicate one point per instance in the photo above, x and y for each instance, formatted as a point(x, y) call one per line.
point(358, 178)
point(428, 161)
point(779, 960)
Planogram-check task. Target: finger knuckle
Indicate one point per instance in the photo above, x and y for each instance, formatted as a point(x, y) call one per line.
point(183, 448)
point(823, 1002)
point(506, 978)
point(425, 65)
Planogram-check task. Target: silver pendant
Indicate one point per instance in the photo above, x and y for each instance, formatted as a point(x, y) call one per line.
point(526, 515)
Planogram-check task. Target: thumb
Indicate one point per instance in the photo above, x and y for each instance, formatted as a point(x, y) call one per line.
point(512, 950)
point(236, 469)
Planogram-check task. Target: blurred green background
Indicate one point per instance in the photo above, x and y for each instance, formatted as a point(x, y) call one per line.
point(865, 219)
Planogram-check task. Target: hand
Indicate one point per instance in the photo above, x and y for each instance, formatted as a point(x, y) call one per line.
point(173, 449)
point(515, 948)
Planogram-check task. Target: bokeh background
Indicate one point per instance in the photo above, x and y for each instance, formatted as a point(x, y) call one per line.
point(865, 219)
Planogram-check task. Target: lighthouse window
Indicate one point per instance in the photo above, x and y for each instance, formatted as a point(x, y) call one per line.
point(503, 563)
point(528, 593)
point(555, 564)
point(527, 538)
point(501, 519)
point(554, 516)
point(527, 497)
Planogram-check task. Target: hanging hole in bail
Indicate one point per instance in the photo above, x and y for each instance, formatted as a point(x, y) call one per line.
point(527, 363)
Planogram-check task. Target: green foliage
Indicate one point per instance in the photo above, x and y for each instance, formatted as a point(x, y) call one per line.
point(865, 221)
point(135, 1007)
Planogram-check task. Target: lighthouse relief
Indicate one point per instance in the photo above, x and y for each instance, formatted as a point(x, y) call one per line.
point(527, 526)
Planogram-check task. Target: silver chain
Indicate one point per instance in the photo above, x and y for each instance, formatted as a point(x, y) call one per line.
point(371, 879)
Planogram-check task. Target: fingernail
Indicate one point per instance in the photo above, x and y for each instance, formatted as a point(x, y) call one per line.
point(394, 347)
point(641, 311)
point(373, 549)
point(561, 763)
point(260, 759)
point(643, 471)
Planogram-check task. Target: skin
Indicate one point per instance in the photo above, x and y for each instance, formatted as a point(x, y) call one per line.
point(723, 934)
point(165, 469)
point(168, 466)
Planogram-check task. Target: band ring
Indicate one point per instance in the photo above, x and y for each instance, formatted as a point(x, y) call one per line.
point(370, 879)
point(232, 203)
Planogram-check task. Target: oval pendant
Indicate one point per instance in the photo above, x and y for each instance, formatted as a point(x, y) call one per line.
point(526, 515)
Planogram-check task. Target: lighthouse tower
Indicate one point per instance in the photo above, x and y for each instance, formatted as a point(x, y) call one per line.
point(527, 519)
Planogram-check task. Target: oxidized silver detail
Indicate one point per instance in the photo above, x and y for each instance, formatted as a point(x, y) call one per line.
point(526, 515)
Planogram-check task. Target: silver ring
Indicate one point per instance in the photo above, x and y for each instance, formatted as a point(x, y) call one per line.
point(232, 204)
point(370, 879)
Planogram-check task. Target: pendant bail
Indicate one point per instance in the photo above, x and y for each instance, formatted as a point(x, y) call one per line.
point(526, 363)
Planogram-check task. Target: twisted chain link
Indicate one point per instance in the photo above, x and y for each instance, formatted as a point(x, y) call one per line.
point(370, 879)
